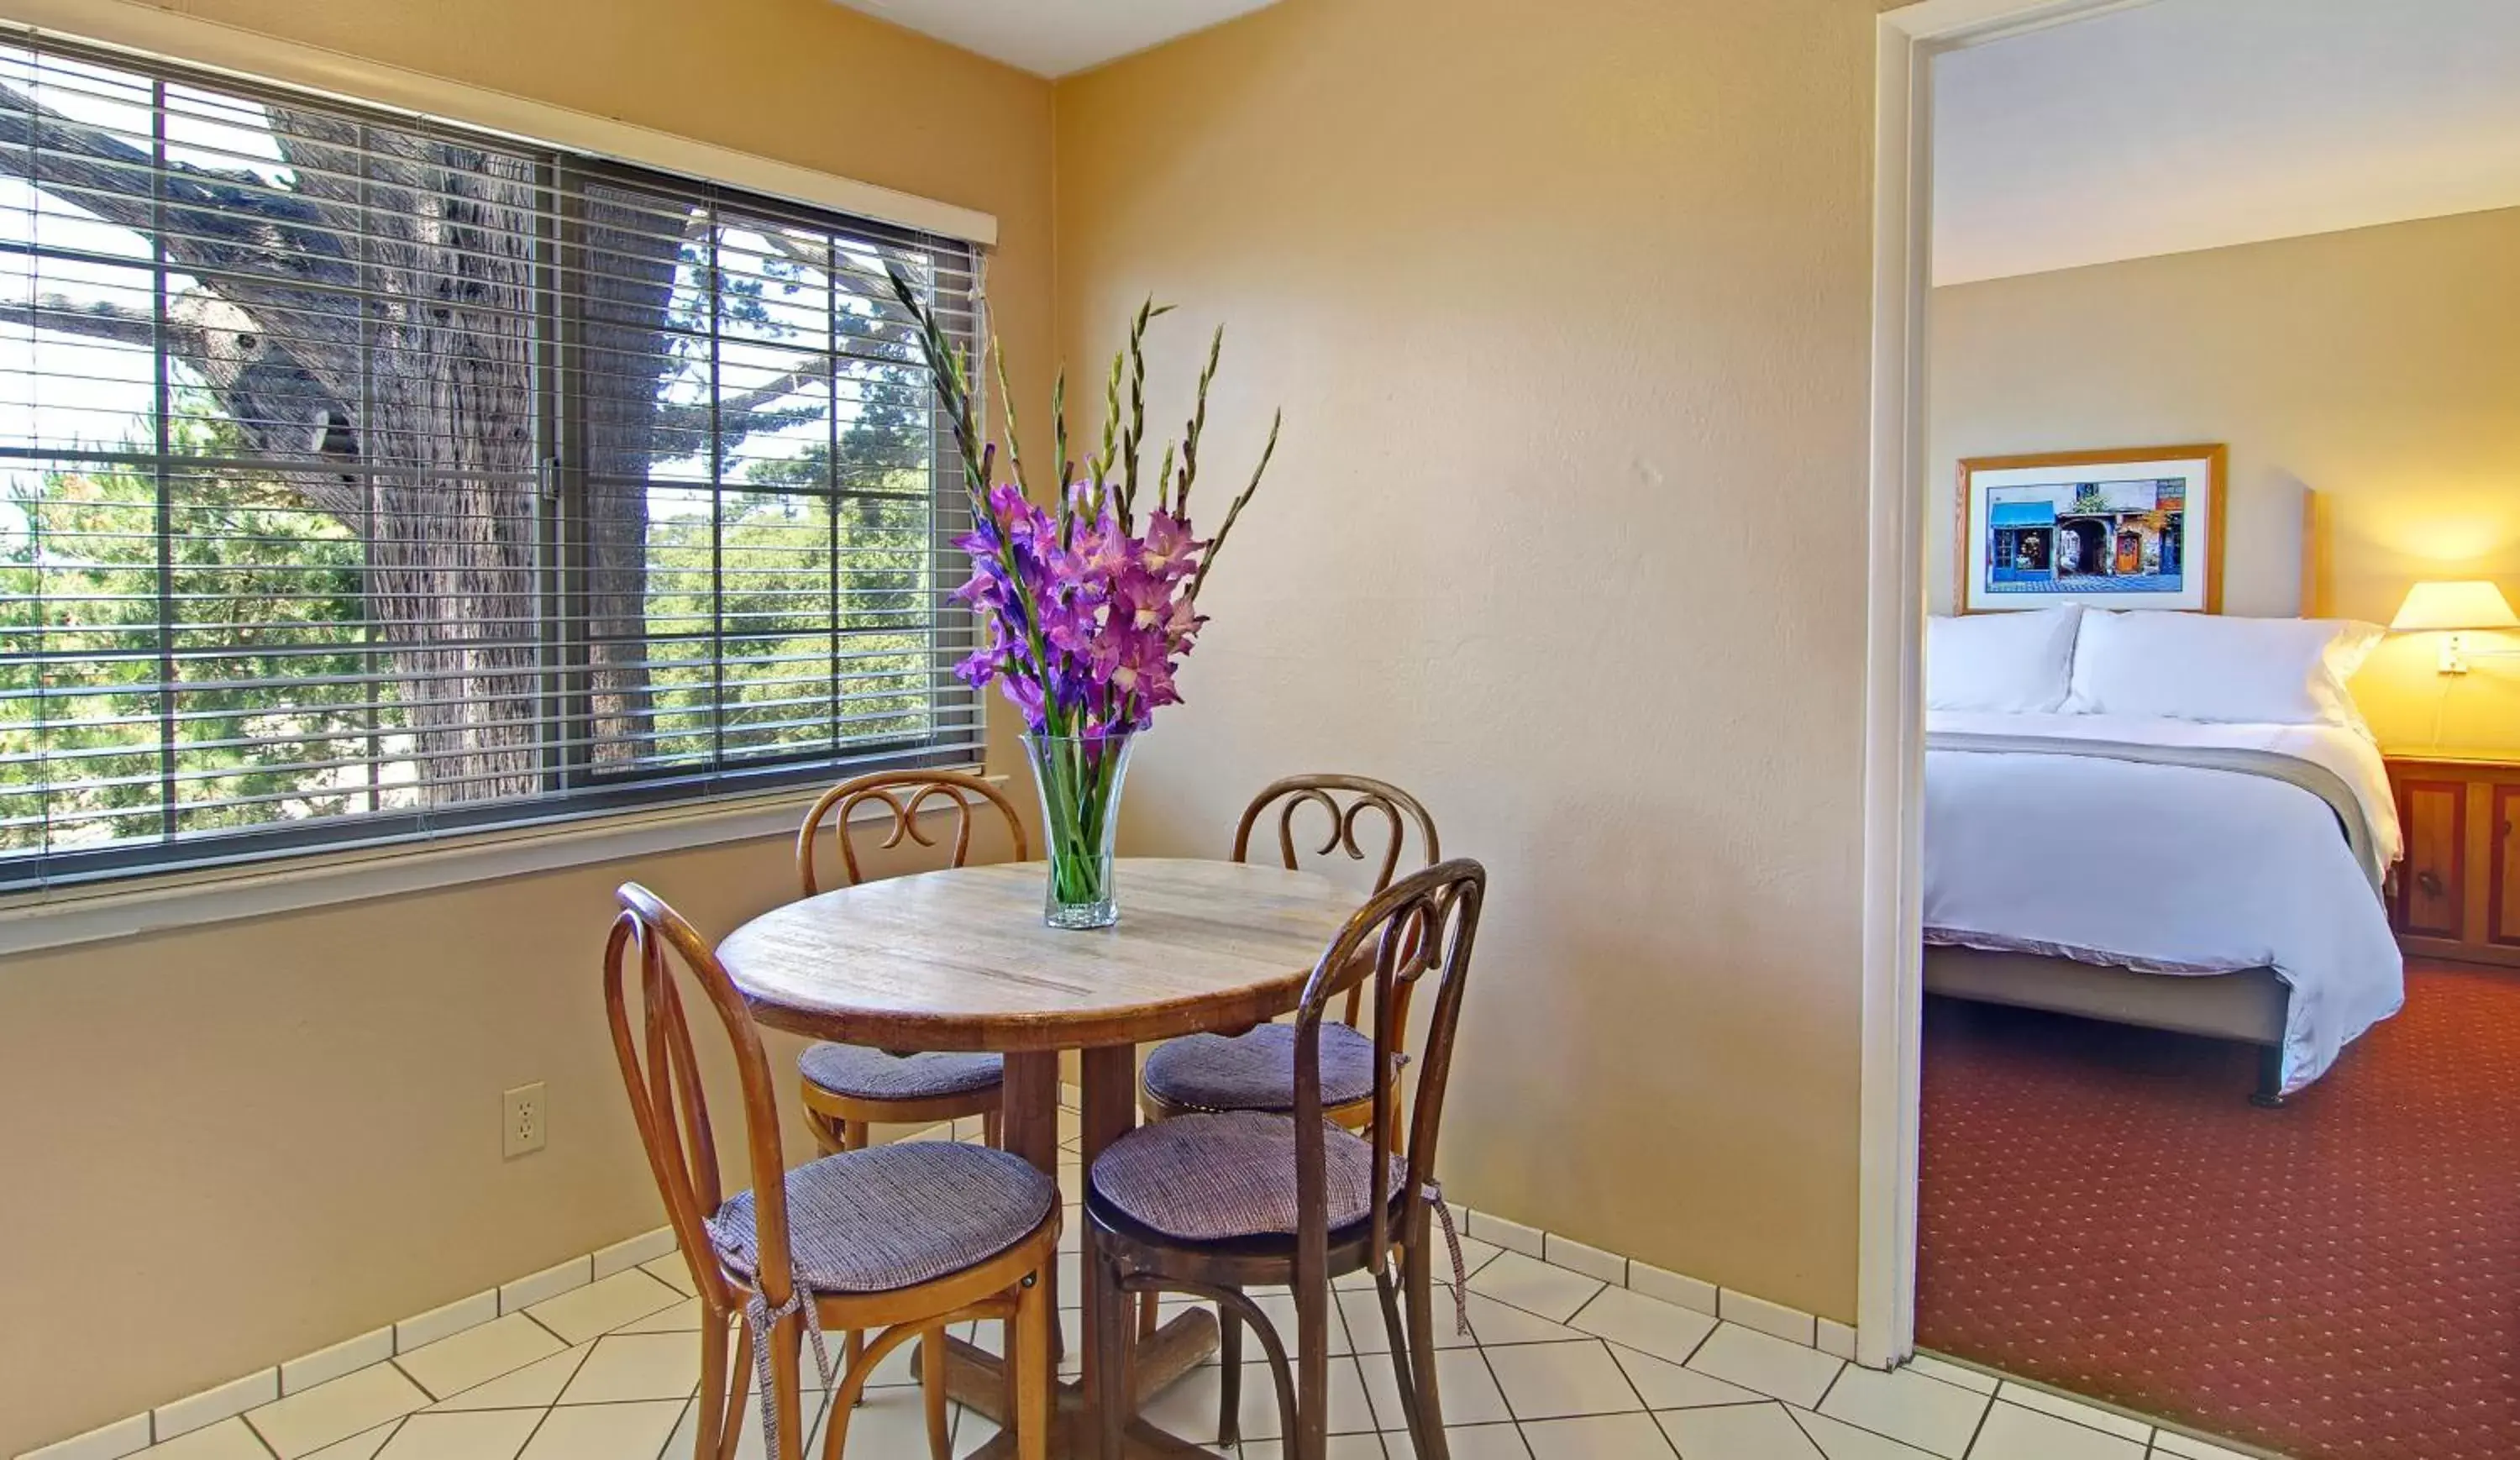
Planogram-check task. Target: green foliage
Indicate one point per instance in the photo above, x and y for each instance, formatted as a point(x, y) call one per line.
point(824, 606)
point(282, 701)
point(264, 636)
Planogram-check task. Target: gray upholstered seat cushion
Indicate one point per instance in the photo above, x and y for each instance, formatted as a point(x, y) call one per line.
point(1214, 1178)
point(872, 1074)
point(1256, 1070)
point(890, 1216)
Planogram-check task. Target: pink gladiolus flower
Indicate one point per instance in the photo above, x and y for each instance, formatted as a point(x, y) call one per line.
point(1167, 550)
point(1087, 635)
point(1085, 609)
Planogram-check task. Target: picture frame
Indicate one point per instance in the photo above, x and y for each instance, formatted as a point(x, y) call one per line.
point(2133, 527)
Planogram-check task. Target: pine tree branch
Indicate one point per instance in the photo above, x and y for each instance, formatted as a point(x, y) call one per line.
point(96, 321)
point(215, 219)
point(695, 419)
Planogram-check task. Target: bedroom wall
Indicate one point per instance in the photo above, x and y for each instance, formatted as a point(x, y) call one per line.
point(1568, 309)
point(2376, 366)
point(234, 1145)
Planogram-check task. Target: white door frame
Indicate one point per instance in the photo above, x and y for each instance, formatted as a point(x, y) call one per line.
point(1894, 719)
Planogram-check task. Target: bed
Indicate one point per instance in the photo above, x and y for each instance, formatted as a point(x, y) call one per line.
point(2135, 817)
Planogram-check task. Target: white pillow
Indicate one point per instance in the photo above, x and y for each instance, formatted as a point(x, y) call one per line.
point(2205, 666)
point(2012, 662)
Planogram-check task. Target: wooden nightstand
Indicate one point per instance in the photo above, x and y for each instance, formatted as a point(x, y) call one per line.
point(2457, 894)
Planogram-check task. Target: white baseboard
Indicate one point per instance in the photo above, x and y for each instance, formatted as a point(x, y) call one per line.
point(129, 1436)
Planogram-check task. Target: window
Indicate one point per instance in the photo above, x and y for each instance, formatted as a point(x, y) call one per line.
point(362, 477)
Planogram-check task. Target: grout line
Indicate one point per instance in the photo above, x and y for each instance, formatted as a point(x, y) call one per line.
point(1694, 1349)
point(2153, 1432)
point(1581, 1309)
point(1471, 1271)
point(562, 1338)
point(565, 1382)
point(1979, 1428)
point(267, 1449)
point(396, 1363)
point(1609, 1351)
point(1504, 1398)
point(1842, 1366)
point(1566, 1323)
point(1913, 1371)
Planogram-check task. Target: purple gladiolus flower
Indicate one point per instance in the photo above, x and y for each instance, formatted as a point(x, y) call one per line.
point(1167, 550)
point(1083, 623)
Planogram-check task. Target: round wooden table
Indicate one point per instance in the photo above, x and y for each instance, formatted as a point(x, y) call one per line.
point(961, 960)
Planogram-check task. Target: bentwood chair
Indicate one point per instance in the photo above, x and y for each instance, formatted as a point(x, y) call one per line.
point(846, 1088)
point(903, 1239)
point(1215, 1203)
point(1255, 1071)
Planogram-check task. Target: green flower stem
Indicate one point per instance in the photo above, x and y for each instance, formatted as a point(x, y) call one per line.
point(1079, 782)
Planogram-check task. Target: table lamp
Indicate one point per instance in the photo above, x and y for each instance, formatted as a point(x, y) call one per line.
point(2452, 608)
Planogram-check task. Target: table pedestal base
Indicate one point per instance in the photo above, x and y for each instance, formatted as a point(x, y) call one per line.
point(977, 1379)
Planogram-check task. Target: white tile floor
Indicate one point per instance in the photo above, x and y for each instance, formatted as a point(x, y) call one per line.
point(1562, 1367)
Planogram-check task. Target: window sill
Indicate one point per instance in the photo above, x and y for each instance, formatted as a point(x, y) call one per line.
point(172, 901)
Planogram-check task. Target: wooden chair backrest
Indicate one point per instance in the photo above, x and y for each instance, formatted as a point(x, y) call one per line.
point(1423, 924)
point(905, 794)
point(1345, 800)
point(661, 1074)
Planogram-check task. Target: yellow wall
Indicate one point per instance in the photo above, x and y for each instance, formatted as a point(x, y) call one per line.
point(2378, 367)
point(235, 1145)
point(1568, 309)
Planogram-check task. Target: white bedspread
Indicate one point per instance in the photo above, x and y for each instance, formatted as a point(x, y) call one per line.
point(2169, 869)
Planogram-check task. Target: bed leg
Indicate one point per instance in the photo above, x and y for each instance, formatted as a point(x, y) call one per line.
point(2270, 1091)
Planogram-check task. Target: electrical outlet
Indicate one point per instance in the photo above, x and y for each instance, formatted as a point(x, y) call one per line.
point(521, 1121)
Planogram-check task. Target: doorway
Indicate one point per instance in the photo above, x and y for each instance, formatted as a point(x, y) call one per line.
point(2112, 543)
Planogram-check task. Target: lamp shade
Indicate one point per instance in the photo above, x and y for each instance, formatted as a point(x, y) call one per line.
point(2475, 603)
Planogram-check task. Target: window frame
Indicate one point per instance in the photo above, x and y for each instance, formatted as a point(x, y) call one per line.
point(578, 801)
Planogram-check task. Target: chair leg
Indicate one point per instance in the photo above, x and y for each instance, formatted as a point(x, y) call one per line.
point(1032, 1365)
point(992, 1131)
point(1309, 1438)
point(713, 1389)
point(1416, 1276)
point(1229, 1351)
point(836, 1429)
point(1281, 1372)
point(853, 1137)
point(931, 1388)
point(1387, 1293)
point(1111, 1365)
point(1149, 1311)
point(739, 1393)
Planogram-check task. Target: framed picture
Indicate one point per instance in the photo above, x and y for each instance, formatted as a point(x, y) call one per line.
point(2137, 529)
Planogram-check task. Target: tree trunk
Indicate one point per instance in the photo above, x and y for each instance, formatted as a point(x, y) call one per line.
point(633, 278)
point(449, 438)
point(376, 320)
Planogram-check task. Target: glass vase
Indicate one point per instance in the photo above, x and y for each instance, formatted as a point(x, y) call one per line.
point(1080, 779)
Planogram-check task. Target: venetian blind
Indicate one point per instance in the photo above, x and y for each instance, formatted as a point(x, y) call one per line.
point(365, 477)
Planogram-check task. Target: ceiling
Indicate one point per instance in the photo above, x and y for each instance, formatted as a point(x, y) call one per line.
point(2185, 124)
point(1055, 37)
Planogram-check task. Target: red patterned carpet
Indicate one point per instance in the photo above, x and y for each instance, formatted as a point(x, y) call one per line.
point(2104, 1211)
